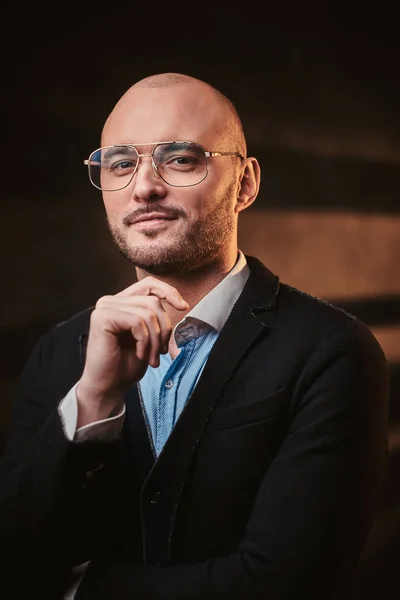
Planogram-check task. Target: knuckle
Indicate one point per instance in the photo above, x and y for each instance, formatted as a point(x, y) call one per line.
point(152, 279)
point(95, 316)
point(102, 301)
point(154, 301)
point(138, 326)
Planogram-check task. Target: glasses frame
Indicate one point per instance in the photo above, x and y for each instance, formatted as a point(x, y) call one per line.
point(208, 154)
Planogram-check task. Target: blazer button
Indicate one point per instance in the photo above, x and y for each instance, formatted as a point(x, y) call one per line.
point(154, 498)
point(96, 469)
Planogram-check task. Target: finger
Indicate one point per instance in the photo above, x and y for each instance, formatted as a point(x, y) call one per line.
point(143, 324)
point(136, 305)
point(114, 323)
point(150, 286)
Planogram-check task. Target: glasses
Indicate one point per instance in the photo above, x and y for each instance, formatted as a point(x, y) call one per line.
point(178, 163)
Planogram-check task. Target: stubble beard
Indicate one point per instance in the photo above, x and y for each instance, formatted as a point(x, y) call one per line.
point(200, 243)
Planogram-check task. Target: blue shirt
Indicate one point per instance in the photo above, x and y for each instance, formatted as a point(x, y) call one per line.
point(166, 389)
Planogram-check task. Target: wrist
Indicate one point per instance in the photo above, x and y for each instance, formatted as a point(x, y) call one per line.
point(97, 405)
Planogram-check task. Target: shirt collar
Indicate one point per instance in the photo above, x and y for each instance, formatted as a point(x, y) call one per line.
point(213, 310)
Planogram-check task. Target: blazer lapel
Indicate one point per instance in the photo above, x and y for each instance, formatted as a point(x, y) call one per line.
point(242, 329)
point(137, 435)
point(164, 482)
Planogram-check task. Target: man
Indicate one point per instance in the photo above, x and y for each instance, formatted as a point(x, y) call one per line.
point(207, 432)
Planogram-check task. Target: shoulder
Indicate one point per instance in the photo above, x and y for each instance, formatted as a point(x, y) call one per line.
point(58, 352)
point(315, 310)
point(326, 325)
point(69, 330)
point(329, 326)
point(309, 322)
point(79, 322)
point(266, 290)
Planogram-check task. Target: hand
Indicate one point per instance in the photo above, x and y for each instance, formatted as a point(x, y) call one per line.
point(128, 332)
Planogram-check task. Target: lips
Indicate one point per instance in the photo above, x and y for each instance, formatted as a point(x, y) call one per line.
point(153, 214)
point(151, 217)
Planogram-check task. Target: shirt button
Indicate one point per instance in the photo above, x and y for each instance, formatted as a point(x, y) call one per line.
point(169, 383)
point(155, 498)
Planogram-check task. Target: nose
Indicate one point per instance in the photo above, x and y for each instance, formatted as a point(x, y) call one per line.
point(147, 184)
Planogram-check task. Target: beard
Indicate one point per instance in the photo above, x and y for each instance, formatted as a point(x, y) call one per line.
point(200, 242)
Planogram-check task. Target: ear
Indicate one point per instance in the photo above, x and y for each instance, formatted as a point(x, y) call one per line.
point(249, 184)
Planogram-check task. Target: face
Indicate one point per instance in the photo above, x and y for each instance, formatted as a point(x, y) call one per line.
point(159, 228)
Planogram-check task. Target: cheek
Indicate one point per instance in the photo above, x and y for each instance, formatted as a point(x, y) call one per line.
point(204, 197)
point(115, 204)
point(190, 200)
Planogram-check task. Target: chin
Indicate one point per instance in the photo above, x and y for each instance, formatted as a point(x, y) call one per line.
point(185, 252)
point(156, 259)
point(164, 265)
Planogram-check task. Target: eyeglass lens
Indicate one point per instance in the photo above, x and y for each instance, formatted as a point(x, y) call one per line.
point(178, 163)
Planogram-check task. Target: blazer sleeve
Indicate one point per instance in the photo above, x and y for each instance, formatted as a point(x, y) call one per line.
point(44, 496)
point(316, 503)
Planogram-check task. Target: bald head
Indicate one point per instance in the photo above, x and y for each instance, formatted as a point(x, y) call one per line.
point(193, 99)
point(166, 79)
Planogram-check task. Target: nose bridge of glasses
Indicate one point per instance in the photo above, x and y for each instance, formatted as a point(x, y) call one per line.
point(141, 155)
point(151, 163)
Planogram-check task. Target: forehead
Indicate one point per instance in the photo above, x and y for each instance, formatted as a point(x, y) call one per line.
point(183, 112)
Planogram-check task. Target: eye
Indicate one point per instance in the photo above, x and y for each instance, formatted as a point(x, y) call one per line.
point(118, 161)
point(183, 160)
point(122, 165)
point(179, 158)
point(119, 168)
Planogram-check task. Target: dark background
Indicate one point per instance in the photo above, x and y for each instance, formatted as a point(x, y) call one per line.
point(318, 89)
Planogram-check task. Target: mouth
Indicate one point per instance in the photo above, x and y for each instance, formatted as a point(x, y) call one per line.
point(152, 218)
point(151, 222)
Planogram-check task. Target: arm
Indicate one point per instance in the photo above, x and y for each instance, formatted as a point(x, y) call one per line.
point(315, 505)
point(51, 504)
point(43, 475)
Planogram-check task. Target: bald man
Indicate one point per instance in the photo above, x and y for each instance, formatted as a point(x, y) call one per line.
point(209, 432)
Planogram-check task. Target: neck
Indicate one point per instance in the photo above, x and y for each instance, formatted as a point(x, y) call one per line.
point(193, 285)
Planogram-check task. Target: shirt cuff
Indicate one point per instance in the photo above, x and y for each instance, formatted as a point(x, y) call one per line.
point(105, 430)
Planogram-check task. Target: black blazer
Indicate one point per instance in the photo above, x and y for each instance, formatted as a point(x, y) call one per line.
point(266, 488)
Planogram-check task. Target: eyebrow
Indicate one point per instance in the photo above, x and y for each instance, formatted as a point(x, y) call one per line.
point(119, 149)
point(184, 144)
point(115, 150)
